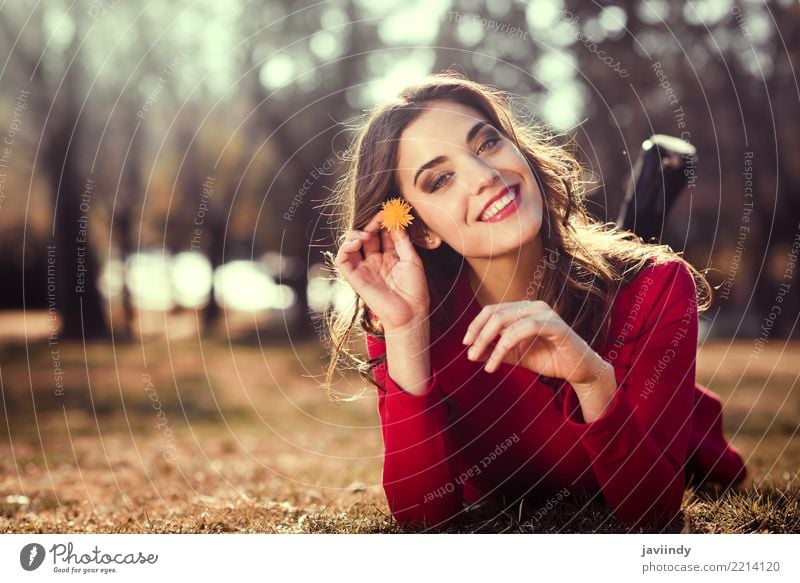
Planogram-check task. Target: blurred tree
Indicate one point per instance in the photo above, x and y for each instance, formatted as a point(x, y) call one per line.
point(54, 73)
point(145, 104)
point(325, 46)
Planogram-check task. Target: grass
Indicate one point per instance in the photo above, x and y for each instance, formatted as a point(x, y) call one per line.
point(245, 441)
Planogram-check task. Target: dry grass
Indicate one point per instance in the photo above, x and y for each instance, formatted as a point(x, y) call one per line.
point(254, 446)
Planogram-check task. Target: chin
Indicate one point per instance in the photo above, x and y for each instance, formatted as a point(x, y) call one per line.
point(509, 246)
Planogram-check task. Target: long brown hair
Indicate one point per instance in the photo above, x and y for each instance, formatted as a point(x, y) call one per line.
point(589, 260)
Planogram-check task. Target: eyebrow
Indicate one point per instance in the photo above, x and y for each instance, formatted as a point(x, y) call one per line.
point(439, 159)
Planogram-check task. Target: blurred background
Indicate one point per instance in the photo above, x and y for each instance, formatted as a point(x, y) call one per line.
point(164, 169)
point(193, 144)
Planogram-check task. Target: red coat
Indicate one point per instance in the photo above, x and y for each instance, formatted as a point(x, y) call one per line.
point(474, 434)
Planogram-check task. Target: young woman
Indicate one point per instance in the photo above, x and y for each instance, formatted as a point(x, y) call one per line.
point(518, 346)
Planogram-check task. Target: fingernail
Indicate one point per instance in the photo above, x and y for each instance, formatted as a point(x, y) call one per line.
point(471, 353)
point(465, 339)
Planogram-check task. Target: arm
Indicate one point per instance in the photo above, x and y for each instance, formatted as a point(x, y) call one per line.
point(385, 271)
point(418, 476)
point(638, 445)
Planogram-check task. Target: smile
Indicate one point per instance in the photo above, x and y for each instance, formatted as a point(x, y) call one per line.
point(502, 208)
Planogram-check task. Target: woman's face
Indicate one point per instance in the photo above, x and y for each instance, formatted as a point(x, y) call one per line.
point(454, 168)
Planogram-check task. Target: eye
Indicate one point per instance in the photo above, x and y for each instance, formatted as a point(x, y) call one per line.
point(489, 143)
point(438, 182)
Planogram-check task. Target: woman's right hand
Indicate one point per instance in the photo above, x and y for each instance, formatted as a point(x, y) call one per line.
point(391, 282)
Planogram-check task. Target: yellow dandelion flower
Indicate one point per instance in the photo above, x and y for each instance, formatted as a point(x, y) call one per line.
point(396, 214)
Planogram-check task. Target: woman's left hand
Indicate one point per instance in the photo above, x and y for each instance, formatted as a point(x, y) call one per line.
point(531, 334)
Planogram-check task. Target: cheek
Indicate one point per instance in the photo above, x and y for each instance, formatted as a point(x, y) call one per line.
point(537, 194)
point(447, 215)
point(468, 245)
point(515, 153)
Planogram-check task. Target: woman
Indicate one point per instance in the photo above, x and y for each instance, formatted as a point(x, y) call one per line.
point(519, 347)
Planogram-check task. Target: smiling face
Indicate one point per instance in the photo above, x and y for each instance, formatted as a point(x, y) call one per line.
point(470, 185)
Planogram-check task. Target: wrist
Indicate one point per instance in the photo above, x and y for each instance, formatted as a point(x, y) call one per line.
point(603, 374)
point(420, 327)
point(408, 357)
point(597, 394)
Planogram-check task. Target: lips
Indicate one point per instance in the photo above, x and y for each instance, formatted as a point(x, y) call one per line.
point(503, 191)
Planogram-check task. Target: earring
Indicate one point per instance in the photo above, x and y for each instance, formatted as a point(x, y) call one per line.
point(430, 240)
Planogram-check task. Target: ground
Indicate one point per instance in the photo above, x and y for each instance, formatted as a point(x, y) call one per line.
point(218, 436)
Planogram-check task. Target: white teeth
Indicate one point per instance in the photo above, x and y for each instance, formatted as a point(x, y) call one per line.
point(499, 205)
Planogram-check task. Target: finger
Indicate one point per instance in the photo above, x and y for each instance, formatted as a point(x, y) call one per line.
point(524, 308)
point(487, 352)
point(356, 236)
point(403, 246)
point(374, 224)
point(387, 242)
point(520, 330)
point(348, 251)
point(353, 235)
point(349, 255)
point(372, 243)
point(345, 268)
point(478, 323)
point(499, 318)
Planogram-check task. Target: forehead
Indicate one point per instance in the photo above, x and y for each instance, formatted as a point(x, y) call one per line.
point(442, 125)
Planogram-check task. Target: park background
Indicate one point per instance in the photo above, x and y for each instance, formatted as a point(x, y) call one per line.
point(164, 173)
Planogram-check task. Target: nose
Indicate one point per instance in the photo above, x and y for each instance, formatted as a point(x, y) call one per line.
point(483, 175)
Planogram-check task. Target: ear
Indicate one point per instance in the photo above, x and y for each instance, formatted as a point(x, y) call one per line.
point(425, 238)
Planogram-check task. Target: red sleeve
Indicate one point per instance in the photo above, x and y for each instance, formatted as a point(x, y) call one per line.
point(638, 447)
point(418, 469)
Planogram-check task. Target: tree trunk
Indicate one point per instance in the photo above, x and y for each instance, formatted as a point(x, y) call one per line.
point(77, 297)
